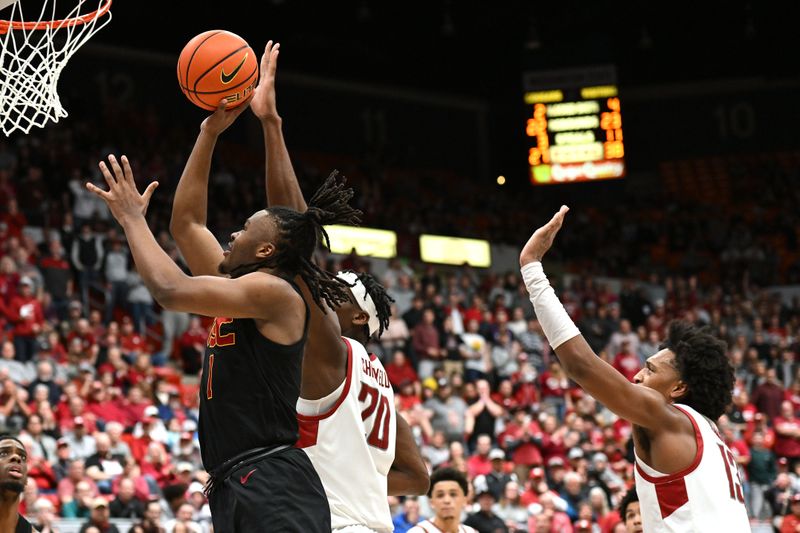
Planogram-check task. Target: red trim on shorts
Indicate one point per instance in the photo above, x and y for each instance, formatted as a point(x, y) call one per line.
point(698, 438)
point(347, 379)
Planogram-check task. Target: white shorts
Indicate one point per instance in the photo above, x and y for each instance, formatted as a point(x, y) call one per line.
point(355, 528)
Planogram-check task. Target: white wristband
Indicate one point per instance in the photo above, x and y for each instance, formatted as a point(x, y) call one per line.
point(556, 323)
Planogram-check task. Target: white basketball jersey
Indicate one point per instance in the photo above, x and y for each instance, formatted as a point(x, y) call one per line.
point(351, 444)
point(706, 496)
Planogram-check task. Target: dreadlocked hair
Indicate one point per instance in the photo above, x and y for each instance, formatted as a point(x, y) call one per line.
point(299, 235)
point(703, 365)
point(383, 302)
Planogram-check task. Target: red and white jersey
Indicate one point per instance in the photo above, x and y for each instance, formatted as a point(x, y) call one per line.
point(426, 526)
point(352, 443)
point(706, 496)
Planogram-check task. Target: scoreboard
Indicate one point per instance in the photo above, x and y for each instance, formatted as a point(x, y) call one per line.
point(574, 125)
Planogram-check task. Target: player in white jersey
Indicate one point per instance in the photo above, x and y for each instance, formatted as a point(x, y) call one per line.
point(448, 496)
point(686, 477)
point(361, 449)
point(350, 438)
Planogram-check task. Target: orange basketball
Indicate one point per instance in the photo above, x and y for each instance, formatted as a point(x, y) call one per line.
point(217, 64)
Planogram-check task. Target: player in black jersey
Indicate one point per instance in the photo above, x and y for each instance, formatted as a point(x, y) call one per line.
point(325, 362)
point(13, 477)
point(251, 374)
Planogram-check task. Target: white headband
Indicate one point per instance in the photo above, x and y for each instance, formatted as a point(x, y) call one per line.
point(363, 299)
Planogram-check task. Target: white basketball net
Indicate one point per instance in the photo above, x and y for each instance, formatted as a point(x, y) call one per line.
point(32, 56)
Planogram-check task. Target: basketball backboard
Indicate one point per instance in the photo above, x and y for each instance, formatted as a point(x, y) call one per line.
point(5, 3)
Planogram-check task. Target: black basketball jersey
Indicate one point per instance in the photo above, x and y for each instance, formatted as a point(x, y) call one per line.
point(249, 390)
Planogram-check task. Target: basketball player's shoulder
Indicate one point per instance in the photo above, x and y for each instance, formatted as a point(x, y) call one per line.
point(275, 285)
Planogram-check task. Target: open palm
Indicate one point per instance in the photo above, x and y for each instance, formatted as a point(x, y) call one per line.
point(263, 105)
point(542, 239)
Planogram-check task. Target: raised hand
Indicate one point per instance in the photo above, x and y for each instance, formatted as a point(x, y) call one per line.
point(122, 197)
point(263, 104)
point(223, 118)
point(542, 239)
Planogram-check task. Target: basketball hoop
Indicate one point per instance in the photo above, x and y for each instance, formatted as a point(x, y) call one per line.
point(32, 56)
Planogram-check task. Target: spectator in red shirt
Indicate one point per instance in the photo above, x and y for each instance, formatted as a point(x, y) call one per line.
point(521, 439)
point(57, 275)
point(156, 465)
point(552, 445)
point(791, 522)
point(9, 279)
point(527, 390)
point(103, 406)
point(131, 341)
point(504, 397)
point(767, 396)
point(626, 361)
point(134, 405)
point(787, 438)
point(407, 397)
point(82, 330)
point(425, 341)
point(479, 464)
point(761, 424)
point(14, 219)
point(555, 386)
point(192, 346)
point(26, 313)
point(793, 394)
point(400, 370)
point(475, 311)
point(142, 372)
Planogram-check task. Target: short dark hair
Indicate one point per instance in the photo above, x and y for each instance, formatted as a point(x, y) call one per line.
point(9, 436)
point(629, 498)
point(702, 363)
point(448, 474)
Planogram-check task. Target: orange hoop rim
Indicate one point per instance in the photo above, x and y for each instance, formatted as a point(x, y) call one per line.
point(6, 25)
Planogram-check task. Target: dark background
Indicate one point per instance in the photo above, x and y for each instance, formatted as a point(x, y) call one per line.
point(696, 78)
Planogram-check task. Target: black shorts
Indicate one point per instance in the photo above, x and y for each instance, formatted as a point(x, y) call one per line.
point(281, 493)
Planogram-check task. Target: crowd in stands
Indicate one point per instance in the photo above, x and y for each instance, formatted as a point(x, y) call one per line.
point(101, 386)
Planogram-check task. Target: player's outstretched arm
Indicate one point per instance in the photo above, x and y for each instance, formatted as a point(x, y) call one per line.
point(408, 475)
point(642, 406)
point(250, 296)
point(282, 185)
point(199, 247)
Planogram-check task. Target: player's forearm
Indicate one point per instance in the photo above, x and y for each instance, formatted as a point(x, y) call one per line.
point(191, 197)
point(408, 475)
point(159, 272)
point(402, 483)
point(282, 185)
point(556, 323)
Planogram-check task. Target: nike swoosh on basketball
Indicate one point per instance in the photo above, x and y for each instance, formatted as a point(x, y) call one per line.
point(245, 477)
point(227, 78)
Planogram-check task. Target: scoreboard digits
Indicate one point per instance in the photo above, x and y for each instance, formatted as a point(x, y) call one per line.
point(574, 126)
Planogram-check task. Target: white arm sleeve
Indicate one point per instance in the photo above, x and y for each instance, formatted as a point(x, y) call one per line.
point(556, 323)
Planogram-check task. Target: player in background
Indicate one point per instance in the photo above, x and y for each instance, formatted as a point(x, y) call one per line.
point(630, 513)
point(447, 497)
point(686, 476)
point(347, 402)
point(252, 365)
point(13, 477)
